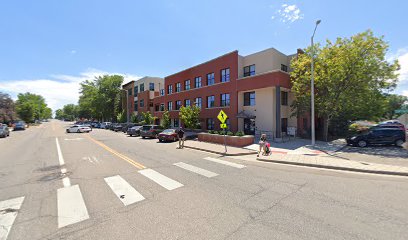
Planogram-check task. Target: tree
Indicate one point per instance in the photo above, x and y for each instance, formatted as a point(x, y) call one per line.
point(394, 102)
point(47, 114)
point(147, 118)
point(350, 76)
point(165, 121)
point(35, 102)
point(26, 111)
point(70, 112)
point(7, 108)
point(121, 117)
point(190, 116)
point(59, 114)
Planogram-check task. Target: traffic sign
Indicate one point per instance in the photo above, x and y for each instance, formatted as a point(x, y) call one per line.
point(223, 125)
point(222, 116)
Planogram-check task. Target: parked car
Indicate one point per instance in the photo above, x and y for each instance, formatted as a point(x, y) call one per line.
point(378, 136)
point(117, 127)
point(127, 126)
point(4, 131)
point(168, 135)
point(134, 131)
point(390, 125)
point(151, 131)
point(105, 124)
point(78, 129)
point(20, 126)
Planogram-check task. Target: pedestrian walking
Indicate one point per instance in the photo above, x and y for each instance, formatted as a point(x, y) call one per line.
point(181, 138)
point(262, 143)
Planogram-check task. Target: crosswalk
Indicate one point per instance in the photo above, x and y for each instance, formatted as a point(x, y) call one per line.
point(71, 204)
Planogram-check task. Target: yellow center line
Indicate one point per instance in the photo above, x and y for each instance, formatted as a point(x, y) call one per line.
point(127, 159)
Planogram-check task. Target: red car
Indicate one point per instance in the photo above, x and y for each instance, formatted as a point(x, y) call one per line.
point(168, 135)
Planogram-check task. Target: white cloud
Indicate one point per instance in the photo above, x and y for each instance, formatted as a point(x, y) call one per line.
point(402, 56)
point(73, 52)
point(288, 13)
point(58, 90)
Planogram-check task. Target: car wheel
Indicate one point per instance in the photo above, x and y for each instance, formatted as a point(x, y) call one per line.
point(362, 143)
point(78, 131)
point(130, 135)
point(156, 136)
point(143, 137)
point(67, 131)
point(399, 142)
point(174, 139)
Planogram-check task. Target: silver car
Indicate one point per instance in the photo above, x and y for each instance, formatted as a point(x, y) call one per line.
point(79, 129)
point(4, 131)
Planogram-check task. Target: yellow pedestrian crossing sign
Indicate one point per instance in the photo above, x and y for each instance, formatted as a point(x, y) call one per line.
point(222, 116)
point(223, 125)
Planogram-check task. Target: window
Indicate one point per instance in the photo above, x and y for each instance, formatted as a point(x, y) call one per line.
point(197, 82)
point(187, 85)
point(151, 86)
point(284, 125)
point(249, 99)
point(187, 103)
point(136, 90)
point(161, 92)
point(198, 102)
point(141, 103)
point(156, 108)
point(161, 107)
point(136, 106)
point(284, 98)
point(210, 123)
point(284, 68)
point(141, 86)
point(150, 104)
point(170, 106)
point(249, 70)
point(210, 79)
point(129, 92)
point(225, 75)
point(170, 89)
point(176, 122)
point(210, 101)
point(225, 100)
point(178, 105)
point(178, 87)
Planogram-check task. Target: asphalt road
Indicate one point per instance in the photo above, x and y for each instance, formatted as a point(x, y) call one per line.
point(105, 185)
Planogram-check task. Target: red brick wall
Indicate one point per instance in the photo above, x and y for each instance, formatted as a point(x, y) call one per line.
point(265, 80)
point(230, 140)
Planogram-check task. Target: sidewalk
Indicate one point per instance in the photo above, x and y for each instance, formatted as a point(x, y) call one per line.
point(309, 160)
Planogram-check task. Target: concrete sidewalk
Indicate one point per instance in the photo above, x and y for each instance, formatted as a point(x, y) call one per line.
point(218, 148)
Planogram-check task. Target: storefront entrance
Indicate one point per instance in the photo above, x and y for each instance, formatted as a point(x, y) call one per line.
point(249, 126)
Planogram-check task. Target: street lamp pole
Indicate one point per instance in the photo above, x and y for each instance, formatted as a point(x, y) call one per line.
point(312, 123)
point(127, 106)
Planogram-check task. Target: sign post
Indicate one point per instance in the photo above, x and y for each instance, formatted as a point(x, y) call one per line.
point(222, 116)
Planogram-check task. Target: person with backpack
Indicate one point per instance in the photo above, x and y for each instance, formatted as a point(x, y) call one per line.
point(180, 135)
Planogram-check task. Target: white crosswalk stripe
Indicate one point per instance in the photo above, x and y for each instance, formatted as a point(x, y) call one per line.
point(160, 179)
point(195, 169)
point(126, 193)
point(216, 160)
point(8, 213)
point(71, 206)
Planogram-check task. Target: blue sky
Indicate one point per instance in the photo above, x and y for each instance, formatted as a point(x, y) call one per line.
point(48, 47)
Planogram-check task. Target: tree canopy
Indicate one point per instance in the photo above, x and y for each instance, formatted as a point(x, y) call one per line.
point(190, 116)
point(32, 107)
point(7, 108)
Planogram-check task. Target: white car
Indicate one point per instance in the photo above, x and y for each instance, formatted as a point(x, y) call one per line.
point(104, 124)
point(78, 129)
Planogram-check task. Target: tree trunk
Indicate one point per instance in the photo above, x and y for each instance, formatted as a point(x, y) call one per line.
point(326, 121)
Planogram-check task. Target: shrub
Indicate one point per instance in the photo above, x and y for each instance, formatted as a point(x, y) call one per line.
point(215, 132)
point(229, 133)
point(357, 128)
point(221, 132)
point(211, 131)
point(239, 134)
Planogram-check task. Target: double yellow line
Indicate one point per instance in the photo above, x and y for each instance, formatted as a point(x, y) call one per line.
point(121, 156)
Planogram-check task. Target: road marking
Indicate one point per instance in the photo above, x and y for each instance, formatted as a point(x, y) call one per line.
point(121, 156)
point(8, 213)
point(60, 157)
point(126, 193)
point(235, 165)
point(71, 206)
point(195, 169)
point(160, 179)
point(73, 139)
point(65, 181)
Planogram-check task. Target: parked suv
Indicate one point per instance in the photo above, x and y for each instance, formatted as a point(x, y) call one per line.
point(4, 130)
point(378, 136)
point(151, 131)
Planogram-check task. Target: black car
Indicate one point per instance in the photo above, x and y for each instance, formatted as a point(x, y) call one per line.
point(117, 127)
point(378, 136)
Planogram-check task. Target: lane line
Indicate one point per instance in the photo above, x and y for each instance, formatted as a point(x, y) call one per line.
point(123, 190)
point(71, 206)
point(195, 169)
point(235, 165)
point(60, 157)
point(160, 179)
point(66, 182)
point(8, 213)
point(121, 156)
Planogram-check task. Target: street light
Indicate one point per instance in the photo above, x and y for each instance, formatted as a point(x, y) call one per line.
point(312, 89)
point(127, 104)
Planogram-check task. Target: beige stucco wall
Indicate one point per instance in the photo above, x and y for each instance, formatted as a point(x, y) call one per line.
point(147, 80)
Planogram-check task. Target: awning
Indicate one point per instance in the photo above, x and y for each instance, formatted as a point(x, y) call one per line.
point(244, 114)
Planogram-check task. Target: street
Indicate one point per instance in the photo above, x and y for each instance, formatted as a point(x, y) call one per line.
point(106, 185)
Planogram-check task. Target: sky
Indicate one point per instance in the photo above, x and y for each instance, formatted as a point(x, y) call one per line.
point(48, 47)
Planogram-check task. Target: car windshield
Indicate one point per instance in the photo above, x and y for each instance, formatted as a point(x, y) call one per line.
point(169, 131)
point(147, 128)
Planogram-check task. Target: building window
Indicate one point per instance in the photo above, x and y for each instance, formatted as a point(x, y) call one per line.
point(284, 125)
point(284, 68)
point(249, 99)
point(225, 100)
point(141, 103)
point(151, 86)
point(170, 89)
point(225, 75)
point(161, 92)
point(178, 87)
point(176, 122)
point(129, 92)
point(136, 106)
point(161, 109)
point(187, 103)
point(187, 85)
point(170, 106)
point(156, 108)
point(210, 79)
point(178, 105)
point(210, 101)
point(249, 70)
point(198, 102)
point(197, 82)
point(210, 123)
point(284, 98)
point(136, 90)
point(150, 104)
point(141, 86)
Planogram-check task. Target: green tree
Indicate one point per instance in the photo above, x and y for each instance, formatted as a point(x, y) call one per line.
point(350, 76)
point(59, 114)
point(394, 102)
point(47, 113)
point(70, 111)
point(35, 102)
point(147, 118)
point(121, 117)
point(165, 121)
point(190, 116)
point(26, 111)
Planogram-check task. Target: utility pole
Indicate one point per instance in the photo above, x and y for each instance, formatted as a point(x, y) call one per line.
point(312, 122)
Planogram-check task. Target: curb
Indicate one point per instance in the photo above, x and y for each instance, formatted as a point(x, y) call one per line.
point(221, 153)
point(405, 174)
